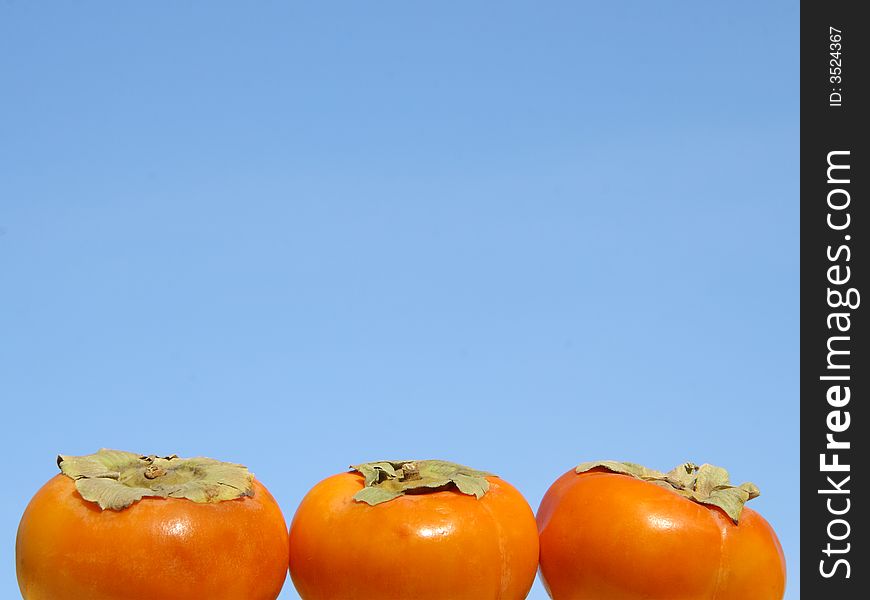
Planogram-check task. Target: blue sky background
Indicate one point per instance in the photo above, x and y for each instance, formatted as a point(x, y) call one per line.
point(518, 235)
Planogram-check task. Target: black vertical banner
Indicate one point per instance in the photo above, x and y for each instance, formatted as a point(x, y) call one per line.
point(835, 372)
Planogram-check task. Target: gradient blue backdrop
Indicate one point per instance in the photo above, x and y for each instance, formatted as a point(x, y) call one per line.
point(517, 235)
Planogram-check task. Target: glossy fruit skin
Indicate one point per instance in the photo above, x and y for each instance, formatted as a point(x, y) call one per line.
point(166, 549)
point(442, 545)
point(606, 536)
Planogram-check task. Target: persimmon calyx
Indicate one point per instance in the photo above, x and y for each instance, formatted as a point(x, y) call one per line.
point(707, 484)
point(114, 480)
point(389, 479)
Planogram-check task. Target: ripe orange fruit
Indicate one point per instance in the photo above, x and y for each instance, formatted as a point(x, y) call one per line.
point(619, 531)
point(120, 526)
point(413, 530)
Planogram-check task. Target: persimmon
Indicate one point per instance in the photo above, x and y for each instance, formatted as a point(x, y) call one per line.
point(413, 530)
point(120, 526)
point(620, 531)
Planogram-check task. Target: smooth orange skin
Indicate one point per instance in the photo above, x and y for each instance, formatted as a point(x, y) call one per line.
point(443, 545)
point(606, 536)
point(157, 549)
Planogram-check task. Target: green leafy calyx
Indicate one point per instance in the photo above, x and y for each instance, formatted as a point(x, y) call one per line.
point(706, 484)
point(389, 479)
point(114, 479)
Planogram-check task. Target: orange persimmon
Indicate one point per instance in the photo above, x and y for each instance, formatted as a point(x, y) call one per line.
point(409, 530)
point(619, 531)
point(119, 526)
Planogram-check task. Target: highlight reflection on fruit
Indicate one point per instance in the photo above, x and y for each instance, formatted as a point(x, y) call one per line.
point(413, 530)
point(620, 531)
point(120, 526)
